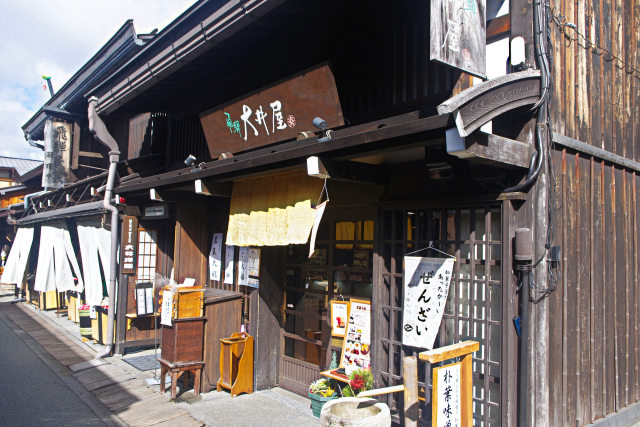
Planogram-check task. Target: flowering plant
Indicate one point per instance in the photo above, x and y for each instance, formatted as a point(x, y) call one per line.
point(322, 387)
point(360, 380)
point(84, 307)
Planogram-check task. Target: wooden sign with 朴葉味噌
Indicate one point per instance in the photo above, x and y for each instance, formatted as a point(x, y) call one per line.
point(446, 396)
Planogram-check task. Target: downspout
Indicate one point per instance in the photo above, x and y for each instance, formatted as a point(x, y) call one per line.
point(100, 132)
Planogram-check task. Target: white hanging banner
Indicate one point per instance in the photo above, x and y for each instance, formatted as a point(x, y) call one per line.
point(314, 230)
point(17, 261)
point(426, 286)
point(229, 254)
point(243, 266)
point(215, 257)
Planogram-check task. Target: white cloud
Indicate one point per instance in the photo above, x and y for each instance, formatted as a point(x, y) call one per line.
point(55, 38)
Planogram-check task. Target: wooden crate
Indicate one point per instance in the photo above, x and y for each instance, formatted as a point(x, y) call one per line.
point(188, 303)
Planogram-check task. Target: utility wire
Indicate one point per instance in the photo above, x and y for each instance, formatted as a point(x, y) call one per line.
point(570, 31)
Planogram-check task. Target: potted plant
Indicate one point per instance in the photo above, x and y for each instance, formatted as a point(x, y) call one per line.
point(320, 392)
point(360, 380)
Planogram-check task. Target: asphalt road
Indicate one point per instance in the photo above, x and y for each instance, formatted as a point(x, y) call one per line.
point(33, 391)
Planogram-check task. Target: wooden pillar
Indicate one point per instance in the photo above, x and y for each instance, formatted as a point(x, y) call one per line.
point(411, 404)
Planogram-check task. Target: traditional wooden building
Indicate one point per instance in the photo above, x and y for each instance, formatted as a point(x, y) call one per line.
point(277, 104)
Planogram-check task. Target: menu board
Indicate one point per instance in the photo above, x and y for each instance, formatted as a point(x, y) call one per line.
point(339, 317)
point(356, 349)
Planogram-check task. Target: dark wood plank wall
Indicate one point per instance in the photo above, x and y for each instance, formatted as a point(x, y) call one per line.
point(594, 345)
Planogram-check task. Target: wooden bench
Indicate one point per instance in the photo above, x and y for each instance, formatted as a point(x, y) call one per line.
point(176, 370)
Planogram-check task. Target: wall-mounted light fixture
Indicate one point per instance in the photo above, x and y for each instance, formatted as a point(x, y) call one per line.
point(322, 124)
point(190, 160)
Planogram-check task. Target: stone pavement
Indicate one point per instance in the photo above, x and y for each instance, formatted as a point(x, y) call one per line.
point(121, 388)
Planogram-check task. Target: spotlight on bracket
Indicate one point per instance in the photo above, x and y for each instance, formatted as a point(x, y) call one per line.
point(322, 124)
point(189, 161)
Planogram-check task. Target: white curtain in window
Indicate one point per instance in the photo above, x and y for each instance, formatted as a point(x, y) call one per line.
point(95, 250)
point(18, 256)
point(57, 262)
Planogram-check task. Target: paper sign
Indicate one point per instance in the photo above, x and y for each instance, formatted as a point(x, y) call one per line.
point(141, 301)
point(92, 312)
point(167, 307)
point(149, 298)
point(253, 267)
point(426, 287)
point(356, 349)
point(188, 281)
point(339, 318)
point(215, 257)
point(243, 266)
point(229, 254)
point(446, 394)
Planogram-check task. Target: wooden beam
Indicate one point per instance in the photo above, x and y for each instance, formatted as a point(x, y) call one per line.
point(75, 146)
point(489, 148)
point(208, 188)
point(515, 195)
point(384, 390)
point(244, 162)
point(344, 171)
point(498, 28)
point(449, 352)
point(90, 154)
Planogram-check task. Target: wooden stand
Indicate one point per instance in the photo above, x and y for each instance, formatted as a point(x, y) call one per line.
point(176, 370)
point(182, 341)
point(236, 364)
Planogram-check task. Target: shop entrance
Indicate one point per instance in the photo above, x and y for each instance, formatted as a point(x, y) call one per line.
point(474, 309)
point(340, 268)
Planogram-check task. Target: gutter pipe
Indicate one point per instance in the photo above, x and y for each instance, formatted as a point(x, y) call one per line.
point(100, 132)
point(537, 159)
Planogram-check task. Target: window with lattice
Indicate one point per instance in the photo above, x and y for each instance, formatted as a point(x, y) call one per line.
point(147, 255)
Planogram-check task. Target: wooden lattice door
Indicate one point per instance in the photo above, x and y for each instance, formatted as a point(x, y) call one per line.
point(474, 306)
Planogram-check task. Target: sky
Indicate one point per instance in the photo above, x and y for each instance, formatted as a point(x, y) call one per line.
point(55, 38)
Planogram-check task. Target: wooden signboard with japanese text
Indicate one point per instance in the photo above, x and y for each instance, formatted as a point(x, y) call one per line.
point(58, 139)
point(274, 113)
point(129, 239)
point(447, 396)
point(458, 34)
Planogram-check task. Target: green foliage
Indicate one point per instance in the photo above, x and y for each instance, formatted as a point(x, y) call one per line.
point(360, 380)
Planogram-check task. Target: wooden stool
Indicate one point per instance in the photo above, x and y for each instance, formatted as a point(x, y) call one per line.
point(176, 370)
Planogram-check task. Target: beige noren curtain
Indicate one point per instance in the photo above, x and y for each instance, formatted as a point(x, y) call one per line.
point(273, 210)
